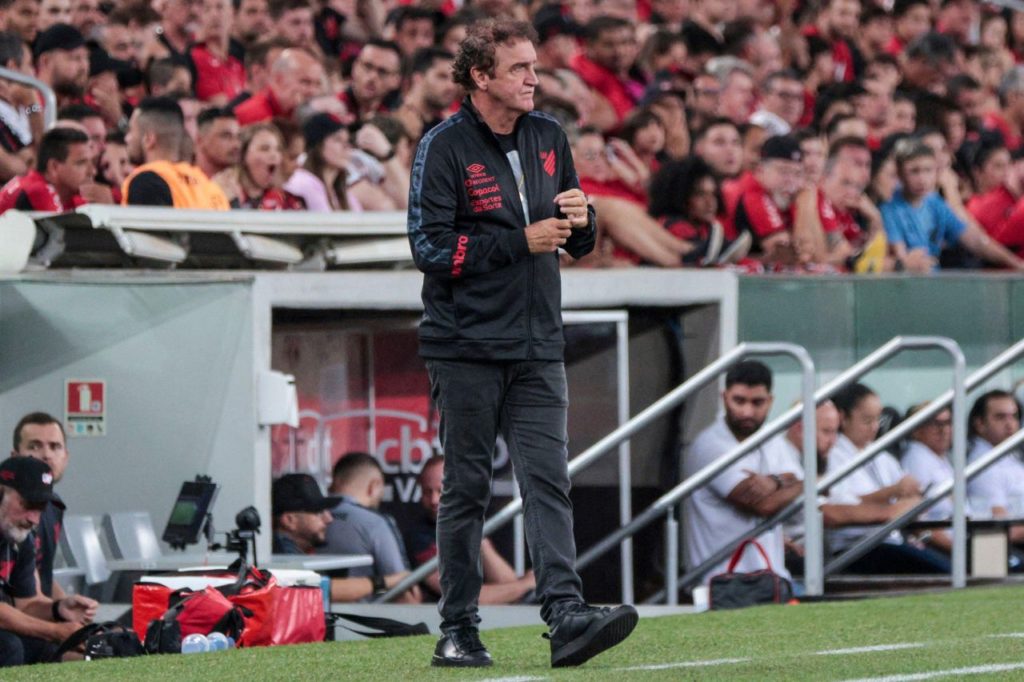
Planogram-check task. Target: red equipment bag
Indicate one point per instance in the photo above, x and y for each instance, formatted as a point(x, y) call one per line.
point(299, 616)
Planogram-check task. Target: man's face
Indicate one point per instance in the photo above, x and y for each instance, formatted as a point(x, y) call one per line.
point(23, 19)
point(44, 442)
point(937, 433)
point(86, 16)
point(414, 34)
point(786, 100)
point(70, 70)
point(844, 17)
point(215, 17)
point(1000, 421)
point(375, 73)
point(589, 156)
point(430, 484)
point(309, 528)
point(615, 49)
point(722, 149)
point(827, 422)
point(53, 12)
point(180, 14)
point(919, 176)
point(439, 90)
point(219, 141)
point(859, 159)
point(121, 42)
point(861, 424)
point(17, 517)
point(781, 178)
point(914, 24)
point(873, 106)
point(902, 117)
point(252, 20)
point(75, 171)
point(514, 80)
point(737, 98)
point(971, 101)
point(296, 26)
point(704, 95)
point(96, 129)
point(300, 83)
point(843, 186)
point(746, 408)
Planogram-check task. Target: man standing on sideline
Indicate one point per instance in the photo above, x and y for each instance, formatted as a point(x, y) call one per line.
point(493, 196)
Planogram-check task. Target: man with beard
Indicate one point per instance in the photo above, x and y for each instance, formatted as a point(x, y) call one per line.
point(219, 141)
point(376, 76)
point(155, 139)
point(431, 91)
point(31, 625)
point(62, 62)
point(751, 489)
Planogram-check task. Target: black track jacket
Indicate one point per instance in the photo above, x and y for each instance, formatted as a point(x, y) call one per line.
point(485, 297)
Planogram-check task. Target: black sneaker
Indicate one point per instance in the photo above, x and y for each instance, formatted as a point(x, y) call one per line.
point(583, 632)
point(461, 648)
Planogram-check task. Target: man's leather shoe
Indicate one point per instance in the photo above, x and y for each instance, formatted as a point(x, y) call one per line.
point(461, 648)
point(583, 632)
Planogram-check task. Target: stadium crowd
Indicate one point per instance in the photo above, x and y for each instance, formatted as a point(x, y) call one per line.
point(845, 135)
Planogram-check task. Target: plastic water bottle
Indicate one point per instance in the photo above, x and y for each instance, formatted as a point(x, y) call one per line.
point(219, 641)
point(195, 644)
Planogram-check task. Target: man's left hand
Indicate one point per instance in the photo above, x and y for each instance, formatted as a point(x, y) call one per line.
point(573, 204)
point(77, 609)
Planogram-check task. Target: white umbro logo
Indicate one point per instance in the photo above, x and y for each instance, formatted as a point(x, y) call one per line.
point(48, 479)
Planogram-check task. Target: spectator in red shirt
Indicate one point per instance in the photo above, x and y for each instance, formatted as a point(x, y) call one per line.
point(687, 200)
point(218, 143)
point(255, 182)
point(376, 77)
point(63, 165)
point(293, 21)
point(762, 202)
point(875, 32)
point(220, 76)
point(296, 77)
point(610, 48)
point(259, 58)
point(1009, 120)
point(838, 24)
point(991, 172)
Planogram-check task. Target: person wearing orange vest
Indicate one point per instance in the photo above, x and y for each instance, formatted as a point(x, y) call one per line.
point(156, 132)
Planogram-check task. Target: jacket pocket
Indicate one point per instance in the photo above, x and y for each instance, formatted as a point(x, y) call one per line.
point(491, 305)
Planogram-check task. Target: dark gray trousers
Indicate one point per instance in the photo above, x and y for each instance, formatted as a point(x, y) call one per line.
point(526, 403)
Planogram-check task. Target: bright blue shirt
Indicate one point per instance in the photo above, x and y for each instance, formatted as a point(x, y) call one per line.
point(931, 224)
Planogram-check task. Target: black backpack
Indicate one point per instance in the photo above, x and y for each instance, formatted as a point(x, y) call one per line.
point(102, 640)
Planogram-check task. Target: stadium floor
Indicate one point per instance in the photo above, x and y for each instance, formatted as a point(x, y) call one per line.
point(969, 634)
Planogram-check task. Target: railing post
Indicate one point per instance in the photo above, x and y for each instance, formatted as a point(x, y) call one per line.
point(671, 556)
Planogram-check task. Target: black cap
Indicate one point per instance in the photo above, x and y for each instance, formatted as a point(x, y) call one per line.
point(299, 493)
point(100, 61)
point(784, 147)
point(31, 477)
point(319, 126)
point(549, 21)
point(58, 37)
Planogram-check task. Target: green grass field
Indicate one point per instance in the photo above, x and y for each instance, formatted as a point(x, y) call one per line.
point(976, 633)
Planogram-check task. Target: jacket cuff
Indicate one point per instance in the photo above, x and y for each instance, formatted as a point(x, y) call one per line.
point(519, 246)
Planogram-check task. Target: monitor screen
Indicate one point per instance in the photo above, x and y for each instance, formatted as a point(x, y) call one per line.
point(189, 513)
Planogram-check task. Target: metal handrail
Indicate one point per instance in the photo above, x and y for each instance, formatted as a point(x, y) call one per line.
point(973, 381)
point(658, 408)
point(940, 491)
point(49, 98)
point(674, 496)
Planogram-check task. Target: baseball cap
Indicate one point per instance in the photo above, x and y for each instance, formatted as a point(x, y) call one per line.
point(550, 22)
point(319, 126)
point(58, 37)
point(299, 493)
point(31, 477)
point(784, 147)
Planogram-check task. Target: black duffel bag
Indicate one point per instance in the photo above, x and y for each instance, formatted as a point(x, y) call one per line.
point(732, 590)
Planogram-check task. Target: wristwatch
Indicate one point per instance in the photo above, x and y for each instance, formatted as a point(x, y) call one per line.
point(777, 479)
point(379, 586)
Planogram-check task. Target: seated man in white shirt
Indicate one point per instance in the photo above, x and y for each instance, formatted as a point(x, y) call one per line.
point(926, 458)
point(880, 484)
point(754, 488)
point(999, 490)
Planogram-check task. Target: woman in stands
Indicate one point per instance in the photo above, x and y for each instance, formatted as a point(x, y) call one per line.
point(321, 181)
point(255, 182)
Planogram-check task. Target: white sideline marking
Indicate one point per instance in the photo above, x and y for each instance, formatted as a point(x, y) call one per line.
point(686, 664)
point(870, 649)
point(977, 670)
point(513, 679)
point(1011, 635)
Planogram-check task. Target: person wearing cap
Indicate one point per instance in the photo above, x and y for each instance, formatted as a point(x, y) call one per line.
point(31, 624)
point(301, 515)
point(156, 133)
point(321, 181)
point(41, 435)
point(62, 62)
point(761, 201)
point(296, 76)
